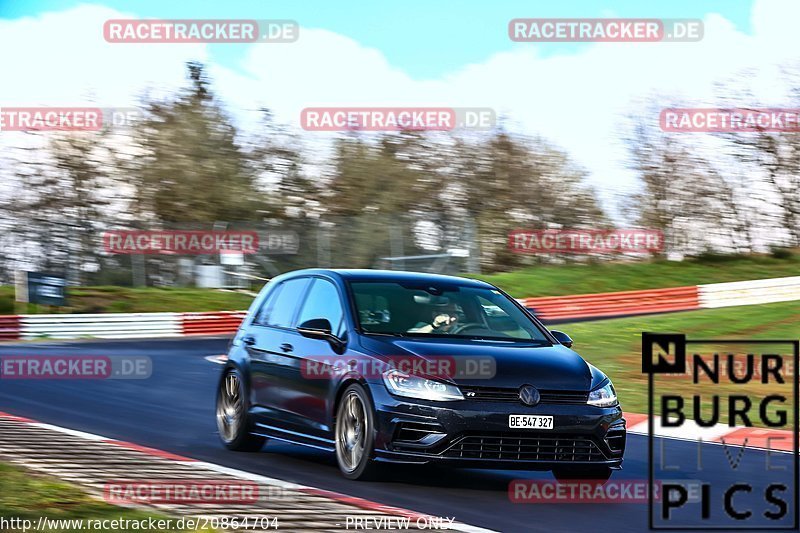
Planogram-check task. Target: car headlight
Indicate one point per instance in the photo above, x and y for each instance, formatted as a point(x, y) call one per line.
point(603, 397)
point(404, 384)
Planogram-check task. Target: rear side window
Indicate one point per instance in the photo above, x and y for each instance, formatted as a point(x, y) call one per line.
point(281, 312)
point(266, 306)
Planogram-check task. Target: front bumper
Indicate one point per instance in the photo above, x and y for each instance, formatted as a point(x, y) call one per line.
point(475, 434)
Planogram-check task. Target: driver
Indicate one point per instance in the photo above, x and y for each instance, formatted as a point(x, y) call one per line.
point(444, 320)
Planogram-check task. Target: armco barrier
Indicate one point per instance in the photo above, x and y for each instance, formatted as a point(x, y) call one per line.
point(103, 326)
point(614, 303)
point(215, 323)
point(9, 327)
point(760, 291)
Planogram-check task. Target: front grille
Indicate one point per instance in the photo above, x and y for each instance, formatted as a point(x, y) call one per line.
point(563, 396)
point(491, 394)
point(500, 394)
point(516, 447)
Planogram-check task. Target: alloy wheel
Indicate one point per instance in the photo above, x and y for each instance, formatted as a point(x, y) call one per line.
point(351, 432)
point(229, 407)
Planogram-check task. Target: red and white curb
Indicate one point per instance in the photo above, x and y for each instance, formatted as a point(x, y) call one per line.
point(92, 461)
point(775, 440)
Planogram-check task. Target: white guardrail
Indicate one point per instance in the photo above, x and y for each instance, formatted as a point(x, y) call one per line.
point(760, 291)
point(102, 326)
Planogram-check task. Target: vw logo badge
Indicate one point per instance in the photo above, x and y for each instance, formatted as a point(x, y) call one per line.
point(529, 395)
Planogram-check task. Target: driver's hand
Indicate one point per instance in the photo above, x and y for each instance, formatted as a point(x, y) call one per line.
point(443, 320)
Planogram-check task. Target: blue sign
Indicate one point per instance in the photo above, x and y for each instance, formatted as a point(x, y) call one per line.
point(47, 289)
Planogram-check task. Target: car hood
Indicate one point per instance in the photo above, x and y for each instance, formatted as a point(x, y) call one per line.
point(545, 367)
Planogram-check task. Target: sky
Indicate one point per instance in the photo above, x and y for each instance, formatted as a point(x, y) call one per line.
point(578, 96)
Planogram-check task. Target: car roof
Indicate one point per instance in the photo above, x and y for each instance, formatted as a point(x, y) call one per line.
point(349, 274)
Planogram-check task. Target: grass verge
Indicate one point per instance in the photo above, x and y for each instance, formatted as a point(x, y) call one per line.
point(27, 495)
point(559, 280)
point(615, 346)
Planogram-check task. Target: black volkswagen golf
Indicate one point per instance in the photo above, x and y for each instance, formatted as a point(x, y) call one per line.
point(385, 366)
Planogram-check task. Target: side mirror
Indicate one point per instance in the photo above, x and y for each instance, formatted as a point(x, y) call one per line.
point(316, 328)
point(562, 337)
point(320, 328)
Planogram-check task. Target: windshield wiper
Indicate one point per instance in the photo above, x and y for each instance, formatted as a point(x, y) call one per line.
point(537, 342)
point(384, 334)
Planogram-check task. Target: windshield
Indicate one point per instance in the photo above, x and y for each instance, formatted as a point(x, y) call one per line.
point(393, 308)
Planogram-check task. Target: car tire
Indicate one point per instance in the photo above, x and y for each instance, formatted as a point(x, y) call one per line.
point(233, 422)
point(599, 473)
point(354, 432)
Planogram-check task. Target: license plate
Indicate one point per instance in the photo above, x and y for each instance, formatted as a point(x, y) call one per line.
point(530, 422)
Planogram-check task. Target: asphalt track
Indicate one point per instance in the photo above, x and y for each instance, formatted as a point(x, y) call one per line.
point(174, 410)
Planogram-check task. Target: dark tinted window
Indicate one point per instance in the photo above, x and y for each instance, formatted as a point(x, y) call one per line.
point(323, 302)
point(426, 310)
point(286, 302)
point(266, 306)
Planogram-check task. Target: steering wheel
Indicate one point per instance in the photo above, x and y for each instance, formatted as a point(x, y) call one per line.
point(468, 325)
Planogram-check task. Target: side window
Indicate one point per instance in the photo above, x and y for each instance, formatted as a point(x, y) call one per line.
point(266, 306)
point(323, 302)
point(286, 302)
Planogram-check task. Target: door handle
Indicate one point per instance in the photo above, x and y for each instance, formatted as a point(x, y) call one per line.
point(286, 347)
point(249, 340)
